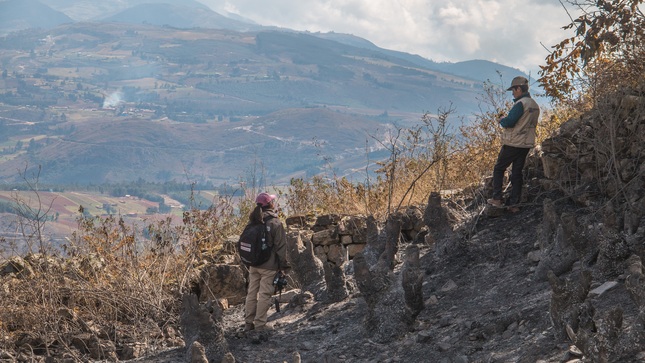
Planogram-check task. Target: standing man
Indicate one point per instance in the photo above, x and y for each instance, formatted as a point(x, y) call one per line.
point(518, 137)
point(258, 296)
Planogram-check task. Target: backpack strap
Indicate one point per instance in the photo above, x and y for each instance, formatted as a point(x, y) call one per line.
point(266, 229)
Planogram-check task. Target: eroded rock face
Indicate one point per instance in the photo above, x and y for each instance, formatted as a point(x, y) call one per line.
point(567, 301)
point(558, 257)
point(393, 300)
point(306, 269)
point(202, 323)
point(336, 282)
point(222, 281)
point(439, 224)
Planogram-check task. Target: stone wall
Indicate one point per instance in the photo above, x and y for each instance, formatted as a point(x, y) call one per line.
point(600, 153)
point(338, 238)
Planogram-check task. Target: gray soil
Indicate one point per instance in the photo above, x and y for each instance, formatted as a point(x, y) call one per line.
point(482, 304)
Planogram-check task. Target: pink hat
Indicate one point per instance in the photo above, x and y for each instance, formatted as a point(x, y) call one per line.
point(264, 199)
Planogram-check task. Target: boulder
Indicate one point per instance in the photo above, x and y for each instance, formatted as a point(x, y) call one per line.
point(222, 281)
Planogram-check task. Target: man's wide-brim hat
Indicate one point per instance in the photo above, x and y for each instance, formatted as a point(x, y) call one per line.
point(518, 81)
point(264, 199)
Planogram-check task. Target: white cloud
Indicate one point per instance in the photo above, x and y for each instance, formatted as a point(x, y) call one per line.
point(506, 31)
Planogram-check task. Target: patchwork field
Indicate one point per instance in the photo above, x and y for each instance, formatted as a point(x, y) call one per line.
point(61, 210)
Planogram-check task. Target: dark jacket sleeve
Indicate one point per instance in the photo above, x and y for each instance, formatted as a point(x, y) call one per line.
point(280, 245)
point(513, 116)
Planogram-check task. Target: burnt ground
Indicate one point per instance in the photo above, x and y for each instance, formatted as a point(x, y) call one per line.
point(482, 304)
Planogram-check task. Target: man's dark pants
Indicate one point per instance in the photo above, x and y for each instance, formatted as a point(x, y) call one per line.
point(509, 155)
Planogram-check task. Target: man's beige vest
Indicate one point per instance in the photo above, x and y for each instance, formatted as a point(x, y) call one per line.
point(523, 133)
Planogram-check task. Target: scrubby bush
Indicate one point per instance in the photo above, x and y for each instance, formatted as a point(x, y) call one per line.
point(109, 285)
point(604, 53)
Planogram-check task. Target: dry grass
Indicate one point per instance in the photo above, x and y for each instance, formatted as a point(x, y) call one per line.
point(108, 284)
point(427, 158)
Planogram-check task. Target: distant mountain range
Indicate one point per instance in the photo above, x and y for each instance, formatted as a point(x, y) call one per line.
point(481, 70)
point(182, 15)
point(114, 91)
point(25, 14)
point(187, 14)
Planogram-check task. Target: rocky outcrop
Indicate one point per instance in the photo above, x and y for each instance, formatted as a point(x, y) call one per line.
point(307, 270)
point(16, 265)
point(599, 154)
point(567, 301)
point(565, 244)
point(439, 226)
point(202, 324)
point(596, 161)
point(607, 333)
point(337, 239)
point(393, 300)
point(222, 282)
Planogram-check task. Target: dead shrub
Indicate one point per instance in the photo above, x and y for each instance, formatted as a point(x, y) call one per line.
point(109, 287)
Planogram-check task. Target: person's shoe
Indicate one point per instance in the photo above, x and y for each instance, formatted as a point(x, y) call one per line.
point(249, 326)
point(266, 327)
point(254, 337)
point(495, 202)
point(513, 209)
point(261, 334)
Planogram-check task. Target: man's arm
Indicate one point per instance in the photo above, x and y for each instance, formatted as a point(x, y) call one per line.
point(513, 116)
point(280, 247)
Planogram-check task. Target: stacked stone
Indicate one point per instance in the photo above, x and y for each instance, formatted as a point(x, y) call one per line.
point(601, 153)
point(335, 238)
point(338, 239)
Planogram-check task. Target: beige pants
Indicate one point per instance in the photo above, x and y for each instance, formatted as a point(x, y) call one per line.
point(258, 296)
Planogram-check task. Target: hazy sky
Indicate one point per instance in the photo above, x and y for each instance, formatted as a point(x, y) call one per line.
point(510, 32)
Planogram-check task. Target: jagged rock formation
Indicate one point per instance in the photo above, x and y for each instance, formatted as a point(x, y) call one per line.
point(307, 270)
point(439, 223)
point(393, 301)
point(635, 281)
point(321, 252)
point(202, 330)
point(566, 300)
point(614, 333)
point(597, 161)
point(564, 247)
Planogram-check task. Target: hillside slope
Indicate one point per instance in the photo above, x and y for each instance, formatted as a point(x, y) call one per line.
point(86, 96)
point(178, 15)
point(25, 14)
point(560, 281)
point(482, 304)
point(280, 145)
